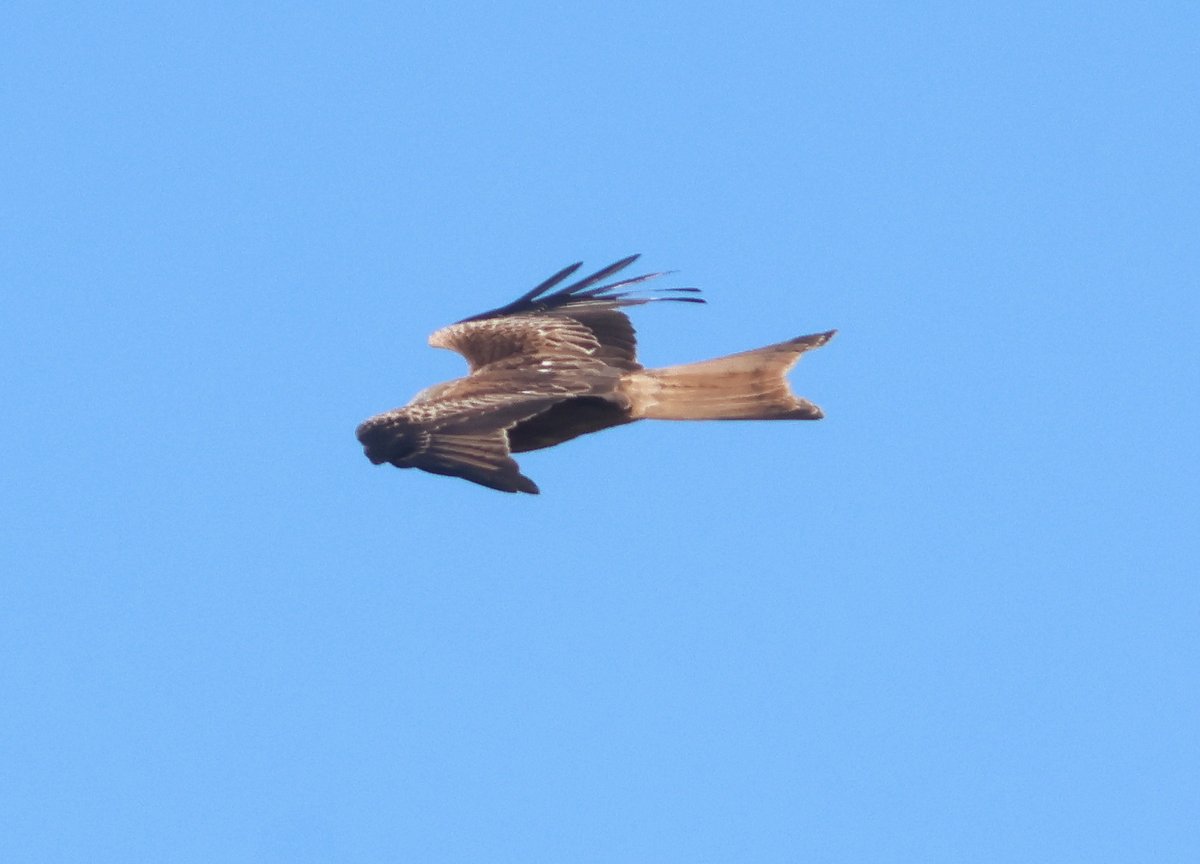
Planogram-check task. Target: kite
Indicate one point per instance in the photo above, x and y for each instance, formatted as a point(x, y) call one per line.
point(556, 364)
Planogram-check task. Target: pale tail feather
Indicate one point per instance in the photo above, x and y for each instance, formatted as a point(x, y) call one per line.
point(751, 385)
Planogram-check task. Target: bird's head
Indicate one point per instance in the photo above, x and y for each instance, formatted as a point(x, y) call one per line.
point(386, 440)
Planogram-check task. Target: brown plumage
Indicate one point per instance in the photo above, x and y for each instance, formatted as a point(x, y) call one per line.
point(550, 367)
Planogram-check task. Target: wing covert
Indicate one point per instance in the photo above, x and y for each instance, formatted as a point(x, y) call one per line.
point(489, 340)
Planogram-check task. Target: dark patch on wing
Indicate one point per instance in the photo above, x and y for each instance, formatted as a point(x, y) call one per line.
point(566, 420)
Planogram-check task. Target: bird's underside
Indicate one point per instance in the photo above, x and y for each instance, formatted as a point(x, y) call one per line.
point(556, 364)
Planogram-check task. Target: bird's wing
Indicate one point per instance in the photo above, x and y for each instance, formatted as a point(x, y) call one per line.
point(582, 319)
point(482, 458)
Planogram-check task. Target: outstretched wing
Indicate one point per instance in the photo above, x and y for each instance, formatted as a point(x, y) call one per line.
point(581, 320)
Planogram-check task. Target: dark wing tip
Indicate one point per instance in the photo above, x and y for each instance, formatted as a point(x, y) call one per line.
point(524, 484)
point(545, 286)
point(587, 293)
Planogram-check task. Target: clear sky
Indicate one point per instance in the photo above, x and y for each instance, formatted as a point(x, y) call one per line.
point(954, 621)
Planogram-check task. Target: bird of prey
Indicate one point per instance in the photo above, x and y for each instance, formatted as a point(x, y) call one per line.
point(556, 364)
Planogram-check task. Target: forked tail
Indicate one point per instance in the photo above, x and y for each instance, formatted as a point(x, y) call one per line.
point(751, 385)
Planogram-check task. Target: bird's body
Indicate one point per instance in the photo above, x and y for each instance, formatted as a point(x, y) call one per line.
point(550, 367)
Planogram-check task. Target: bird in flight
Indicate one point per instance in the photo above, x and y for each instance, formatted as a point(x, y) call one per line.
point(556, 364)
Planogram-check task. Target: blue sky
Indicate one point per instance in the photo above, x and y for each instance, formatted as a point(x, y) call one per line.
point(954, 621)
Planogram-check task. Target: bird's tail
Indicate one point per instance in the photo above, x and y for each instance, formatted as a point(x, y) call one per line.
point(751, 385)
